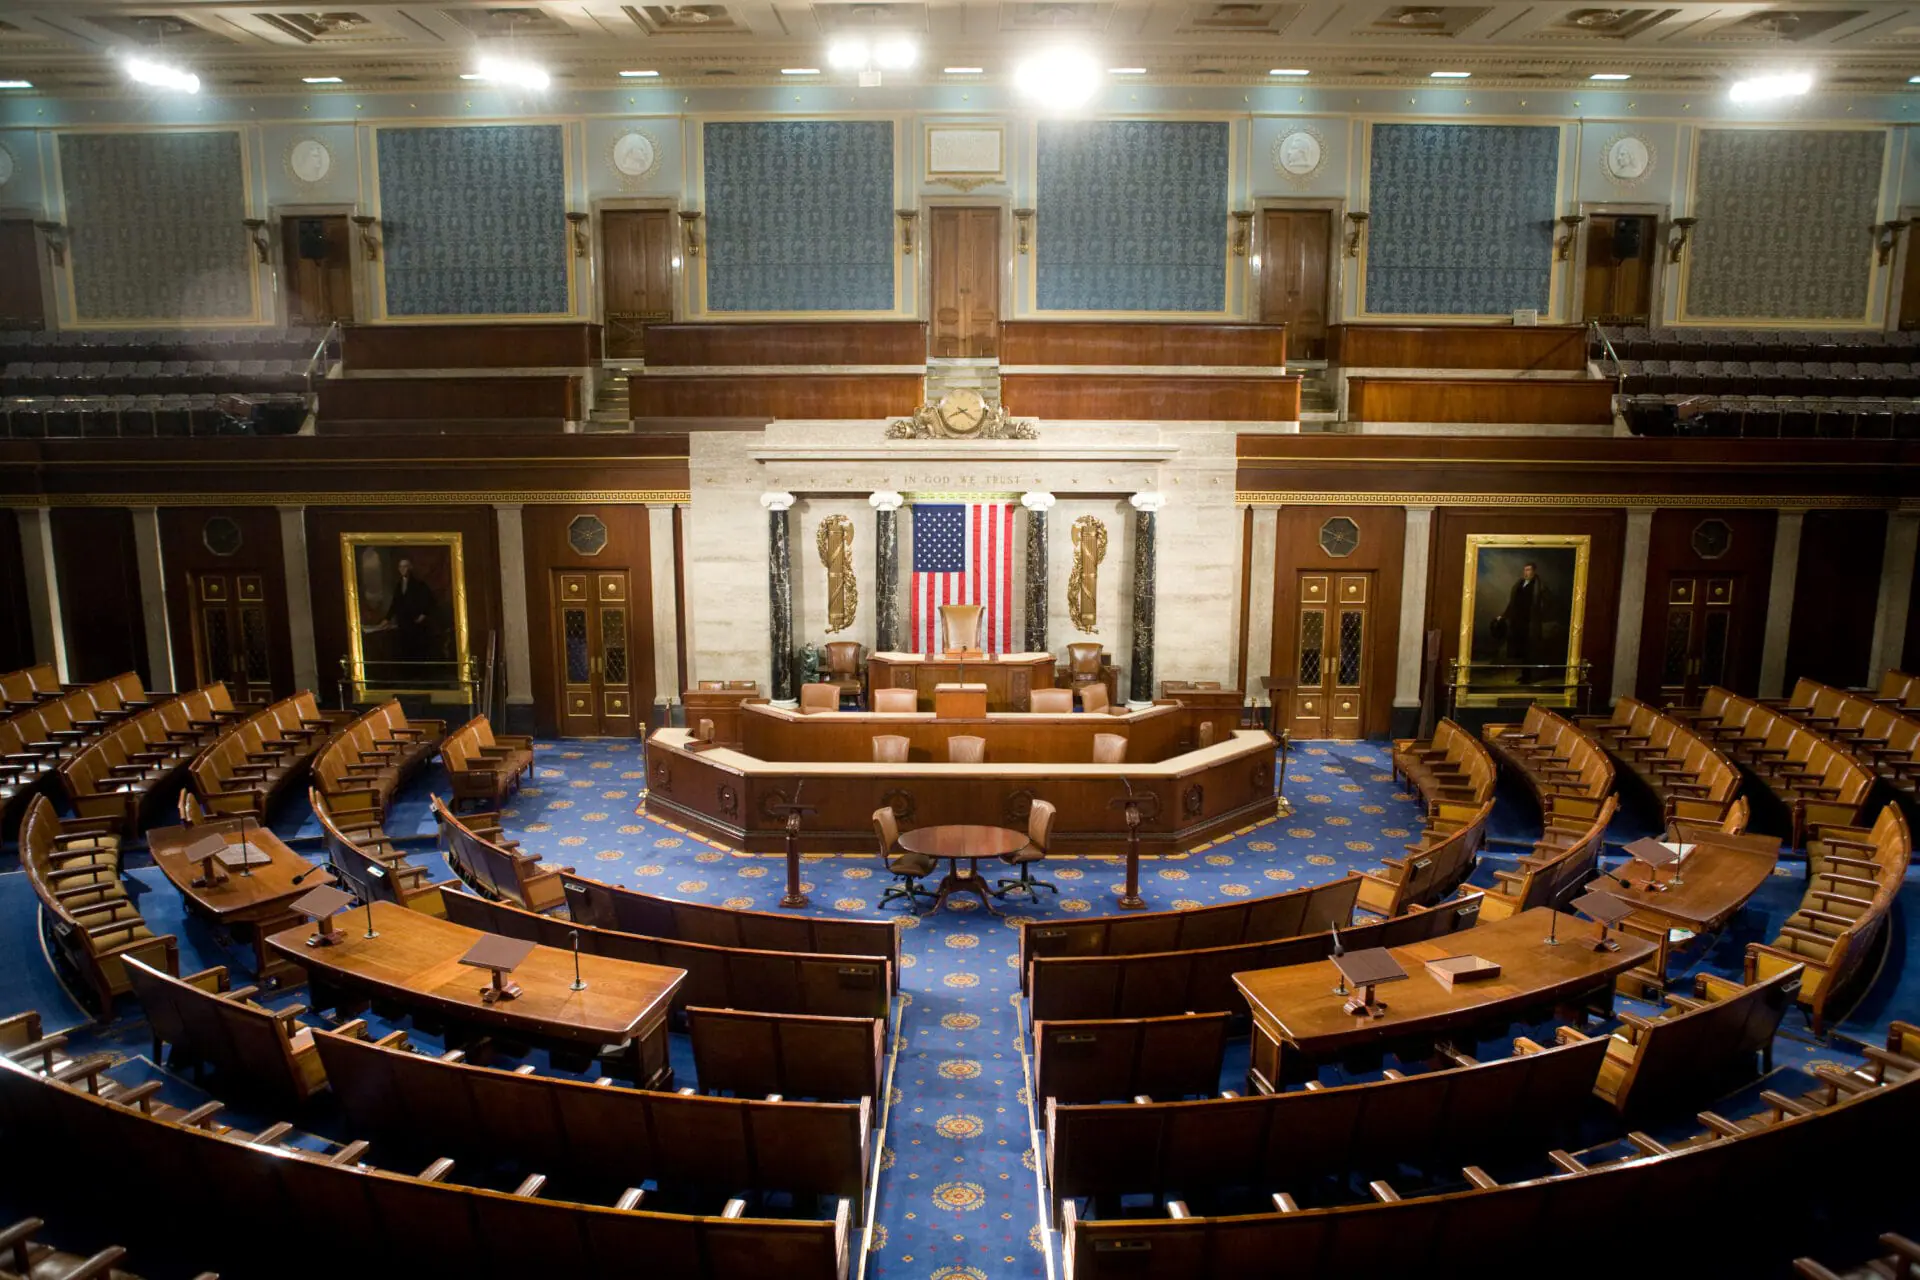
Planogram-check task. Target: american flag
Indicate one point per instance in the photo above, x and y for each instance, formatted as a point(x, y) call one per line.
point(962, 554)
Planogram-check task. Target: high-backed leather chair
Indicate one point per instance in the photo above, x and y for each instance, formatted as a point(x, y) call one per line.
point(1039, 838)
point(843, 668)
point(889, 748)
point(1087, 664)
point(819, 697)
point(962, 625)
point(1051, 701)
point(1093, 697)
point(907, 868)
point(966, 749)
point(1109, 748)
point(896, 700)
point(1204, 737)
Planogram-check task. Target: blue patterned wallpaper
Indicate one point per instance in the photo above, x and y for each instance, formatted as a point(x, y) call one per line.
point(1462, 218)
point(1131, 215)
point(799, 215)
point(474, 220)
point(1786, 223)
point(155, 226)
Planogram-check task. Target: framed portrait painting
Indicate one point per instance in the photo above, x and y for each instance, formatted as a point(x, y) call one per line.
point(406, 614)
point(1524, 601)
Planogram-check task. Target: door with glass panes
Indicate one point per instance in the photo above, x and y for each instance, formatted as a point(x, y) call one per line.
point(231, 638)
point(1332, 630)
point(1698, 646)
point(593, 620)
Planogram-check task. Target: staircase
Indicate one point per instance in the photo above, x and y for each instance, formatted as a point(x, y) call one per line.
point(612, 413)
point(945, 376)
point(1319, 401)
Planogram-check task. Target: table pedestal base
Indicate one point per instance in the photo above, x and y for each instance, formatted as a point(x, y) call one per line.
point(968, 881)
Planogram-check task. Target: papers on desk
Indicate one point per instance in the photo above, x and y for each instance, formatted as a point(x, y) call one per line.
point(1656, 853)
point(235, 856)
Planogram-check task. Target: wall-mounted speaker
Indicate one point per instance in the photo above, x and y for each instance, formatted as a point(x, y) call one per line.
point(1626, 238)
point(313, 239)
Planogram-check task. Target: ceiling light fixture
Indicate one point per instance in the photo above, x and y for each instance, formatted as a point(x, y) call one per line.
point(513, 73)
point(872, 57)
point(1281, 72)
point(1126, 71)
point(1059, 79)
point(1449, 75)
point(1790, 84)
point(799, 71)
point(160, 76)
point(638, 75)
point(320, 80)
point(1609, 75)
point(963, 71)
point(1913, 79)
point(16, 84)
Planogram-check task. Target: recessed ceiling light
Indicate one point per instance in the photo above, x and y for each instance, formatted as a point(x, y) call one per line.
point(1059, 79)
point(509, 71)
point(471, 75)
point(799, 71)
point(1913, 79)
point(1279, 72)
point(963, 71)
point(1768, 88)
point(1449, 75)
point(1609, 75)
point(1126, 71)
point(161, 76)
point(320, 80)
point(638, 75)
point(16, 84)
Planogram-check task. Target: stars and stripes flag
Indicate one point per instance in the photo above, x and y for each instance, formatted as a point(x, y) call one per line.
point(962, 554)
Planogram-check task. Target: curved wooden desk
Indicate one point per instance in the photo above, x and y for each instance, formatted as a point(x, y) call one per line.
point(252, 905)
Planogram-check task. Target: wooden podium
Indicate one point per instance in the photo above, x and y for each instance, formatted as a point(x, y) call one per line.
point(1009, 678)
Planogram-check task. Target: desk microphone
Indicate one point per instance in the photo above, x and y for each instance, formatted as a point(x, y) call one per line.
point(1339, 949)
point(579, 983)
point(309, 871)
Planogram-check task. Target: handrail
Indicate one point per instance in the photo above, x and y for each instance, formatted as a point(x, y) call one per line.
point(1606, 345)
point(318, 363)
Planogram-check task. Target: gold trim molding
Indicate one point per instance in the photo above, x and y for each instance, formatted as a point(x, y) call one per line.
point(1679, 501)
point(357, 498)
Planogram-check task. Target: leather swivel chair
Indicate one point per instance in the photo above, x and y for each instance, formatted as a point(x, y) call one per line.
point(815, 698)
point(906, 868)
point(896, 700)
point(1051, 701)
point(1109, 748)
point(843, 668)
point(966, 749)
point(889, 748)
point(1093, 697)
point(1039, 837)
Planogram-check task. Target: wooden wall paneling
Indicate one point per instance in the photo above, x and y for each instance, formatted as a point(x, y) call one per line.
point(22, 305)
point(1835, 594)
point(1446, 569)
point(185, 555)
point(769, 396)
point(1133, 342)
point(16, 622)
point(815, 342)
point(1747, 561)
point(1381, 551)
point(482, 345)
point(1456, 346)
point(1588, 402)
point(100, 606)
point(548, 549)
point(480, 549)
point(1104, 396)
point(459, 402)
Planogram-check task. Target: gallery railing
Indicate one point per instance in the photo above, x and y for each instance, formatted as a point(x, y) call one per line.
point(445, 681)
point(1510, 684)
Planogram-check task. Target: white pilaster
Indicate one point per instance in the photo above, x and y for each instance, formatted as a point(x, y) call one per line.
point(153, 597)
point(1266, 534)
point(666, 631)
point(1632, 610)
point(516, 638)
point(1895, 598)
point(293, 556)
point(1786, 567)
point(1416, 553)
point(43, 588)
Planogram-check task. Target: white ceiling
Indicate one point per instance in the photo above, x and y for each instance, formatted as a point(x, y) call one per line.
point(66, 45)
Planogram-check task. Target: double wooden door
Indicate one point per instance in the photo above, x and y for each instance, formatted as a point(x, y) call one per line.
point(1699, 642)
point(593, 624)
point(1333, 630)
point(638, 288)
point(964, 248)
point(1295, 257)
point(317, 256)
point(232, 633)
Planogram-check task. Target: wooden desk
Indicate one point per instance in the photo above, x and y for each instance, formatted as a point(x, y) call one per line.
point(252, 906)
point(1298, 1021)
point(969, 841)
point(960, 701)
point(1008, 679)
point(1715, 880)
point(722, 706)
point(415, 962)
point(1221, 708)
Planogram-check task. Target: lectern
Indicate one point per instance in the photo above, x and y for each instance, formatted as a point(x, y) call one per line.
point(1365, 970)
point(962, 623)
point(793, 811)
point(1133, 806)
point(319, 906)
point(1605, 910)
point(500, 956)
point(1657, 855)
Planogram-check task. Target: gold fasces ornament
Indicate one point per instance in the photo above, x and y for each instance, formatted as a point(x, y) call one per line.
point(960, 415)
point(835, 540)
point(1083, 583)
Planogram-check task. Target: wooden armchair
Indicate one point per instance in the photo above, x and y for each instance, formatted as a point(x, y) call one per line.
point(95, 930)
point(844, 668)
point(484, 766)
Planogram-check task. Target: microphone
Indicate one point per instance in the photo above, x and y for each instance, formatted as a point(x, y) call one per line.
point(579, 983)
point(1339, 949)
point(304, 874)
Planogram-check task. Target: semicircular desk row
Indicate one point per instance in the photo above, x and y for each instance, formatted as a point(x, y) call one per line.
point(1193, 773)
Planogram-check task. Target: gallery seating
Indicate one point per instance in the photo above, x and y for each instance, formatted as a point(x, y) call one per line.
point(114, 775)
point(369, 866)
point(1567, 770)
point(1814, 777)
point(1452, 767)
point(1853, 878)
point(425, 1223)
point(1881, 737)
point(698, 1149)
point(1690, 1053)
point(840, 986)
point(254, 1052)
point(612, 906)
point(1898, 1258)
point(1900, 690)
point(369, 757)
point(40, 730)
point(29, 685)
point(752, 1054)
point(24, 1258)
point(256, 758)
point(1687, 830)
point(1120, 1059)
point(484, 766)
point(1692, 780)
point(87, 917)
point(1431, 869)
point(493, 868)
point(1554, 872)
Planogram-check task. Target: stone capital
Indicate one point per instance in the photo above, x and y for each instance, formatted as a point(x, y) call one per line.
point(774, 500)
point(1148, 501)
point(1038, 500)
point(885, 500)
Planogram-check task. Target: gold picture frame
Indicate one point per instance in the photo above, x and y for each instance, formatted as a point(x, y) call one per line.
point(1502, 661)
point(425, 653)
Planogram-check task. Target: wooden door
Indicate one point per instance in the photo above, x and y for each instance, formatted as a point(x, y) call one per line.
point(232, 638)
point(965, 248)
point(1699, 646)
point(318, 257)
point(639, 276)
point(1910, 283)
point(21, 303)
point(1294, 258)
point(593, 622)
point(1619, 268)
point(1334, 629)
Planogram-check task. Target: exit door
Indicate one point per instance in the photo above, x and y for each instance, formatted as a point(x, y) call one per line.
point(1333, 629)
point(231, 636)
point(638, 244)
point(1619, 268)
point(593, 623)
point(1294, 257)
point(1699, 644)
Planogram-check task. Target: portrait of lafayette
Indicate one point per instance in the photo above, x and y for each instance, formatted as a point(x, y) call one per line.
point(406, 610)
point(1520, 619)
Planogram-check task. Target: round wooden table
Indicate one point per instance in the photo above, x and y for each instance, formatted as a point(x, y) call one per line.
point(963, 841)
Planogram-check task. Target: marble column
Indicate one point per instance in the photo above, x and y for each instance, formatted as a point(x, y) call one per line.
point(666, 622)
point(516, 634)
point(43, 588)
point(1786, 567)
point(1416, 551)
point(1632, 610)
point(779, 596)
point(886, 506)
point(1266, 535)
point(1037, 504)
point(153, 597)
point(1896, 595)
point(1140, 674)
point(293, 559)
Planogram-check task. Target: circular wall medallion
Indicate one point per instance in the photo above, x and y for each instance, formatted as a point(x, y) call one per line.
point(1339, 536)
point(587, 535)
point(221, 535)
point(309, 161)
point(1712, 539)
point(1299, 153)
point(6, 166)
point(635, 154)
point(1626, 158)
